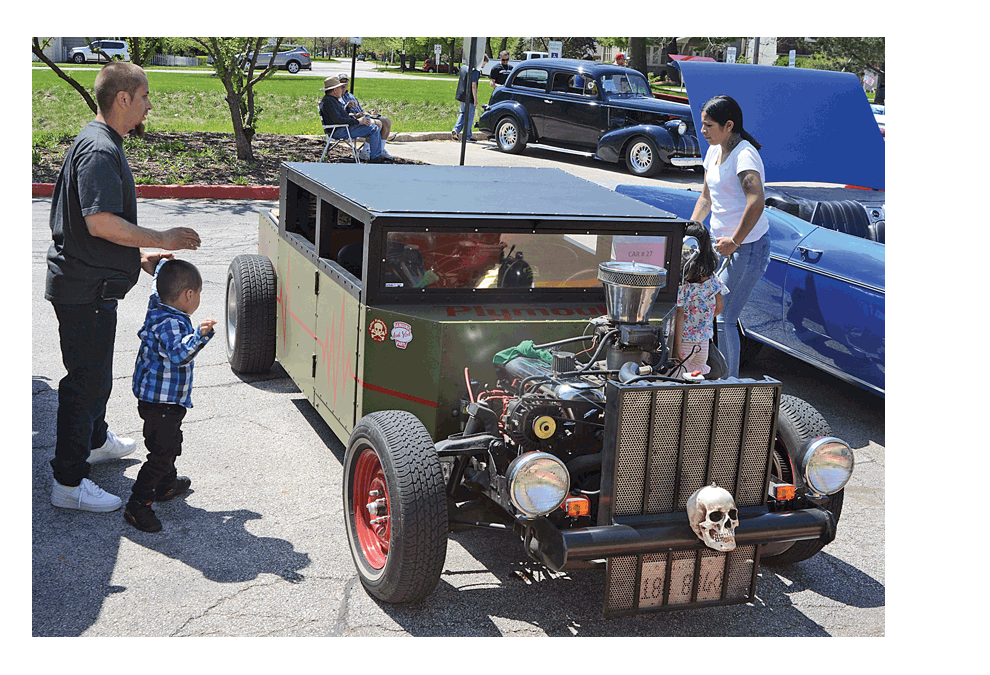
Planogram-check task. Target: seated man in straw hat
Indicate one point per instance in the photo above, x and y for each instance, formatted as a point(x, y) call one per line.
point(332, 111)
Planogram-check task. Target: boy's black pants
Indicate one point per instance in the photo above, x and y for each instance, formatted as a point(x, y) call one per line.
point(163, 438)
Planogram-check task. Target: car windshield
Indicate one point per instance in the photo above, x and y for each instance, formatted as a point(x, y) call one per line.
point(473, 260)
point(625, 84)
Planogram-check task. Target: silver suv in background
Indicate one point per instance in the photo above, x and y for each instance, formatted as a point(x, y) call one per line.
point(116, 50)
point(290, 57)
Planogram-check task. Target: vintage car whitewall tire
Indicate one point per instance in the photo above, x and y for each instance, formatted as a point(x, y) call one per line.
point(251, 312)
point(643, 157)
point(395, 506)
point(797, 423)
point(509, 135)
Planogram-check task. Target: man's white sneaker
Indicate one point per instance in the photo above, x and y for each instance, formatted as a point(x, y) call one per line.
point(114, 448)
point(87, 496)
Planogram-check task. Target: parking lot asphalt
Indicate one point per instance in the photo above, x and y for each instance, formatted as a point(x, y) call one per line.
point(257, 547)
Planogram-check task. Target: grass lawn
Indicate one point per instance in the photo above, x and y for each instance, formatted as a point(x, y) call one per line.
point(193, 100)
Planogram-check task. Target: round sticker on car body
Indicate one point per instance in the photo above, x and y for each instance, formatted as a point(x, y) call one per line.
point(378, 330)
point(402, 334)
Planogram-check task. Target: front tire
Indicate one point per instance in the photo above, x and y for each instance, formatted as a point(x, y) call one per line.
point(251, 312)
point(509, 136)
point(79, 58)
point(797, 423)
point(643, 157)
point(395, 506)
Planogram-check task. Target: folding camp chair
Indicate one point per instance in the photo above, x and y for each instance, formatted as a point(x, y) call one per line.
point(332, 142)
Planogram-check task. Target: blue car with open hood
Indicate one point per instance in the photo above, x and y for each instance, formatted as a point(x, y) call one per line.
point(822, 298)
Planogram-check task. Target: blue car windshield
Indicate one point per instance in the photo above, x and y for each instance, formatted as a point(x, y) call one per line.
point(625, 84)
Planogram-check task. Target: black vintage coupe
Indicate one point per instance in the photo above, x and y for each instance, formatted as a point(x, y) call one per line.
point(595, 108)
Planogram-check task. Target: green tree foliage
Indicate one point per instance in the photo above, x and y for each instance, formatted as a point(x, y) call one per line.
point(143, 48)
point(235, 61)
point(852, 54)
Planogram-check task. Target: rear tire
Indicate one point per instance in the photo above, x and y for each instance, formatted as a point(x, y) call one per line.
point(509, 135)
point(798, 423)
point(251, 312)
point(395, 506)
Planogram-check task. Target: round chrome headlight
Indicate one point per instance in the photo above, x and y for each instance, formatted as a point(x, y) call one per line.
point(538, 483)
point(826, 464)
point(682, 127)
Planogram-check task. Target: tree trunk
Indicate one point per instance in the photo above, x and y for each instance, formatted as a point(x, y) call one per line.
point(242, 137)
point(637, 52)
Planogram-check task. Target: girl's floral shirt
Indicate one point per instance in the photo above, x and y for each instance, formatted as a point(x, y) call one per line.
point(698, 301)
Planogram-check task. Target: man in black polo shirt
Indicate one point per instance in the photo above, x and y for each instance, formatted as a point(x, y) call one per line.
point(500, 71)
point(94, 259)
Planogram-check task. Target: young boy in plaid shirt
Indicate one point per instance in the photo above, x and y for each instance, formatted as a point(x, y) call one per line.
point(163, 378)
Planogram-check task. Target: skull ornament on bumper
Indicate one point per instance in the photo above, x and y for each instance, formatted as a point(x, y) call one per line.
point(713, 516)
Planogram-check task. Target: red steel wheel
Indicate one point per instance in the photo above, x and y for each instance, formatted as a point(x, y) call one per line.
point(370, 505)
point(396, 506)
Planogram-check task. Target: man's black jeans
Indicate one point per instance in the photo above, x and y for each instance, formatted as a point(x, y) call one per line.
point(86, 335)
point(163, 438)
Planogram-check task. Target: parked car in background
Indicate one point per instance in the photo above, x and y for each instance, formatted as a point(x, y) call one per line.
point(430, 66)
point(878, 115)
point(289, 57)
point(113, 50)
point(822, 298)
point(602, 109)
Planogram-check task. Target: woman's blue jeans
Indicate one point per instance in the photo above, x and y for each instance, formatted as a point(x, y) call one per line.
point(746, 267)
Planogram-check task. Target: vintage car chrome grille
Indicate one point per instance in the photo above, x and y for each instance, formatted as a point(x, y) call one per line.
point(663, 441)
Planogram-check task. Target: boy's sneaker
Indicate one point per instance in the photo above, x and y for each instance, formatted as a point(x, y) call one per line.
point(87, 496)
point(142, 517)
point(180, 485)
point(114, 448)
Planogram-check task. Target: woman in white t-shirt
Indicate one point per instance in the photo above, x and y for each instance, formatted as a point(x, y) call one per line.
point(733, 195)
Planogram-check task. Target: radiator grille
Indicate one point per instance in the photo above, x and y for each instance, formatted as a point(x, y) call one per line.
point(663, 441)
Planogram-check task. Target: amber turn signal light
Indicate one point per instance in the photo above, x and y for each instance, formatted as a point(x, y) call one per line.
point(577, 506)
point(783, 493)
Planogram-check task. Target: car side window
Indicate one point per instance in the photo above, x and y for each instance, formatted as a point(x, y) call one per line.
point(571, 83)
point(533, 78)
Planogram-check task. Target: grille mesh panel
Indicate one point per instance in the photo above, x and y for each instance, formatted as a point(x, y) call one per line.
point(669, 441)
point(724, 437)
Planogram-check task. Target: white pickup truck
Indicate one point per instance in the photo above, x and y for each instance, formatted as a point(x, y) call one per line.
point(486, 71)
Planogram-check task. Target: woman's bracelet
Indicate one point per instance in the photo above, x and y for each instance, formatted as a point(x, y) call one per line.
point(734, 242)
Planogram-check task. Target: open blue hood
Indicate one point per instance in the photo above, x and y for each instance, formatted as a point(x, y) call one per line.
point(814, 125)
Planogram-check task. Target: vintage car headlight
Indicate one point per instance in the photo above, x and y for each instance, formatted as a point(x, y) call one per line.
point(538, 483)
point(826, 464)
point(682, 127)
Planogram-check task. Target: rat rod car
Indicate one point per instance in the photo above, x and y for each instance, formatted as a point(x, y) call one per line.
point(510, 371)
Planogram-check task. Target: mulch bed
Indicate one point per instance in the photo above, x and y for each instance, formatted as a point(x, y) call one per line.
point(203, 158)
